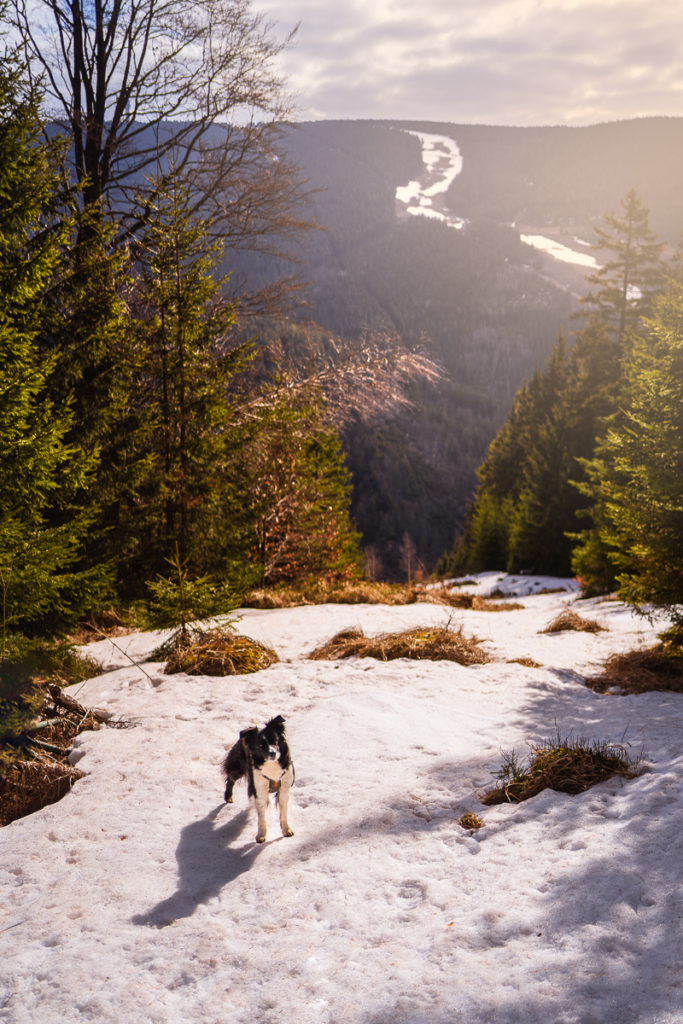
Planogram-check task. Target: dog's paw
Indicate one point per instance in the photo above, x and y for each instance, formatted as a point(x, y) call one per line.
point(260, 839)
point(287, 832)
point(229, 800)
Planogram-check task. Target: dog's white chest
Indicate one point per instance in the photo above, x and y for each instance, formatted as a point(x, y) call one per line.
point(272, 770)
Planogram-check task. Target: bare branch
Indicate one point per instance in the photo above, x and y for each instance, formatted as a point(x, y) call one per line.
point(357, 380)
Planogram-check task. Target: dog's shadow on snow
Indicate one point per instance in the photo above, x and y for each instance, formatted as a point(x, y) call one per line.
point(207, 861)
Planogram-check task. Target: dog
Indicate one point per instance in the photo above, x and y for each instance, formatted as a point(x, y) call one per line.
point(263, 756)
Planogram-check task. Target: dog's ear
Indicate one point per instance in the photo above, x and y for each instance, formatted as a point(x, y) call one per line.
point(277, 724)
point(248, 734)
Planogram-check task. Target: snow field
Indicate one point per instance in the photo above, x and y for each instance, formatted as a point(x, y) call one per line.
point(141, 897)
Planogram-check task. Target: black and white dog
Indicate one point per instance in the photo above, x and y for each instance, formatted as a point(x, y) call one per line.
point(263, 756)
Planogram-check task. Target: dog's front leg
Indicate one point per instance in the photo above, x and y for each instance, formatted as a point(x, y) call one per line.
point(261, 788)
point(283, 801)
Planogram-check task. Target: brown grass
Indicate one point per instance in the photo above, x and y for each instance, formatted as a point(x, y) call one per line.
point(475, 602)
point(369, 592)
point(327, 592)
point(26, 786)
point(471, 821)
point(566, 766)
point(31, 776)
point(657, 668)
point(215, 652)
point(571, 620)
point(526, 662)
point(430, 643)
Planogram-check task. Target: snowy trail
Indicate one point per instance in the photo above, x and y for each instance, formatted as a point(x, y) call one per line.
point(142, 897)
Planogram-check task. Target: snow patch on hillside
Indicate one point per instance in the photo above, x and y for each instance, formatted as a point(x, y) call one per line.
point(443, 163)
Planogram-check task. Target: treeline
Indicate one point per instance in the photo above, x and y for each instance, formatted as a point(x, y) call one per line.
point(585, 476)
point(145, 445)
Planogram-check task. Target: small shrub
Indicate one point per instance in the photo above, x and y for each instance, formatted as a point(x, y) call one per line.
point(564, 765)
point(657, 668)
point(65, 666)
point(178, 599)
point(213, 652)
point(571, 620)
point(433, 643)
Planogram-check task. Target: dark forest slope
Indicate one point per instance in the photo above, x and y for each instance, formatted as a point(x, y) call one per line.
point(483, 304)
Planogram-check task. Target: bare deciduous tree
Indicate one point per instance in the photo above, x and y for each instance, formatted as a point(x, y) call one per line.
point(408, 557)
point(142, 84)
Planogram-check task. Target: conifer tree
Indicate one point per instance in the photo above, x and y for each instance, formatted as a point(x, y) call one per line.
point(180, 416)
point(637, 474)
point(633, 273)
point(41, 524)
point(527, 506)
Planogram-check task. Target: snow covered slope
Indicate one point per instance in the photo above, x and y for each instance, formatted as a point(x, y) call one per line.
point(141, 897)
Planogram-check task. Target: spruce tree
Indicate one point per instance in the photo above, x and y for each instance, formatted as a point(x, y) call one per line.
point(633, 272)
point(527, 507)
point(42, 527)
point(180, 417)
point(637, 475)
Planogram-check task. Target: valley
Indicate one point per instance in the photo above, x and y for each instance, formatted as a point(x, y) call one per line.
point(472, 243)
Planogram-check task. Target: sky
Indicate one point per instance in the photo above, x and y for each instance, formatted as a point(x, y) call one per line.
point(517, 62)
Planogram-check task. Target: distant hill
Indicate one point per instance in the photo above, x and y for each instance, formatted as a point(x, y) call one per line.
point(481, 302)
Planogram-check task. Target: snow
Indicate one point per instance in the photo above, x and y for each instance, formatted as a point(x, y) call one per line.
point(142, 897)
point(443, 163)
point(559, 251)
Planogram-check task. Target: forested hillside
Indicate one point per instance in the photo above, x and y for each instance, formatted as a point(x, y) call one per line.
point(482, 303)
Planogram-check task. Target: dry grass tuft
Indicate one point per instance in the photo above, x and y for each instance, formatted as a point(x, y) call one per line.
point(215, 652)
point(471, 821)
point(449, 598)
point(26, 786)
point(431, 643)
point(571, 620)
point(475, 602)
point(657, 668)
point(34, 766)
point(564, 765)
point(485, 604)
point(526, 662)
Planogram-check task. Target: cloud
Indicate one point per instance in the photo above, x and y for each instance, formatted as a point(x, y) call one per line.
point(498, 61)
